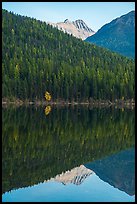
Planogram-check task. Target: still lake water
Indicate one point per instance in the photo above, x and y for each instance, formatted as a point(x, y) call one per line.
point(68, 154)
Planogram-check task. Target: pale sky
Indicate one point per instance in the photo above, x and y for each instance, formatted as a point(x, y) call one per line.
point(94, 14)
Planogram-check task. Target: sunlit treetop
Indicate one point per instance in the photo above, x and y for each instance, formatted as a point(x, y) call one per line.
point(47, 96)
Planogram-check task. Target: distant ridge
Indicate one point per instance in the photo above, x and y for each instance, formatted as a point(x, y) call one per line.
point(118, 35)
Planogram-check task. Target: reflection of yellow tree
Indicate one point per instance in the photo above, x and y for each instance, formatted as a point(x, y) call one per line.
point(47, 96)
point(47, 110)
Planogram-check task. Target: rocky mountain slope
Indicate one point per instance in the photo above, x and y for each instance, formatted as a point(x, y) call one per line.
point(118, 35)
point(77, 28)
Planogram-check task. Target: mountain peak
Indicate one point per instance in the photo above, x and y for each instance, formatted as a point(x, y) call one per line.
point(67, 21)
point(77, 28)
point(79, 20)
point(80, 24)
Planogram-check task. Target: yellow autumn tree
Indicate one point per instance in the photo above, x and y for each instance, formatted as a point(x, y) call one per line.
point(47, 96)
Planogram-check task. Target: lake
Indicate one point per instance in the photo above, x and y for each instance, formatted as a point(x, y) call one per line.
point(68, 154)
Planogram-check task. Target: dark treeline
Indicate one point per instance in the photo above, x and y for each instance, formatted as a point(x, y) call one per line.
point(37, 57)
point(37, 147)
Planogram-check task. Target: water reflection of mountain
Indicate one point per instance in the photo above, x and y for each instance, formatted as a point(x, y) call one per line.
point(118, 170)
point(76, 175)
point(36, 148)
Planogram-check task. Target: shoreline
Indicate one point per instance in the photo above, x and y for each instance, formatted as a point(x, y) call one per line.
point(130, 103)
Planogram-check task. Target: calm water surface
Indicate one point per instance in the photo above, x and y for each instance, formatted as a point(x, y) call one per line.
point(68, 154)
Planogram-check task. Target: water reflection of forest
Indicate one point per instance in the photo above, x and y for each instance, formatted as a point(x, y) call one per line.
point(36, 147)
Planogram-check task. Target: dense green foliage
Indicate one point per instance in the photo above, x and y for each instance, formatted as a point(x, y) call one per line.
point(37, 147)
point(118, 35)
point(37, 57)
